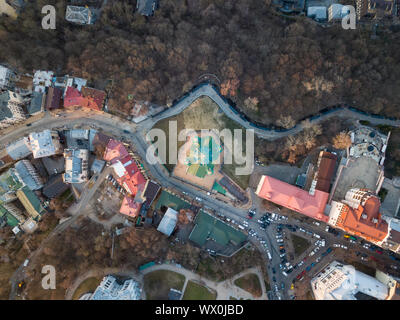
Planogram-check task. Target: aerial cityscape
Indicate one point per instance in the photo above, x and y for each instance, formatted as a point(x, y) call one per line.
point(200, 150)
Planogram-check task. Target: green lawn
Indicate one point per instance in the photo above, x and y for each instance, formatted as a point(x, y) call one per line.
point(158, 283)
point(250, 283)
point(299, 244)
point(195, 291)
point(89, 285)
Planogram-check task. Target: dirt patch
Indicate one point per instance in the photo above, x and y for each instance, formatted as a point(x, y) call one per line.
point(250, 283)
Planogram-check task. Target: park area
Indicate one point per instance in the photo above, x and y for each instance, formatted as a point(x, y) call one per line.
point(250, 283)
point(204, 114)
point(158, 283)
point(299, 244)
point(196, 291)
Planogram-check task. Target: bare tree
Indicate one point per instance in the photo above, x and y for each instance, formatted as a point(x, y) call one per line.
point(342, 141)
point(286, 122)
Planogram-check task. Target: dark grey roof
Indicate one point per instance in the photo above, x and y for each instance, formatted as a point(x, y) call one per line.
point(151, 192)
point(36, 103)
point(146, 7)
point(55, 186)
point(54, 165)
point(5, 112)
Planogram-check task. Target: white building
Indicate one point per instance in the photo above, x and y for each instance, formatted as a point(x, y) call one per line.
point(317, 13)
point(5, 77)
point(76, 165)
point(343, 282)
point(80, 15)
point(11, 109)
point(111, 289)
point(337, 11)
point(45, 143)
point(168, 222)
point(42, 80)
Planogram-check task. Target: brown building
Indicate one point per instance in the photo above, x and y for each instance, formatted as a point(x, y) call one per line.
point(53, 98)
point(377, 9)
point(326, 170)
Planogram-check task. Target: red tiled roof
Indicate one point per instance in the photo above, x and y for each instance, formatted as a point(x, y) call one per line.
point(129, 207)
point(115, 150)
point(352, 221)
point(95, 95)
point(294, 198)
point(88, 98)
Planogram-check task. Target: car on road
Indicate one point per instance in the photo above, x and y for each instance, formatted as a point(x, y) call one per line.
point(327, 229)
point(282, 255)
point(343, 246)
point(336, 245)
point(366, 245)
point(282, 285)
point(308, 268)
point(300, 263)
point(273, 279)
point(282, 251)
point(26, 262)
point(273, 270)
point(316, 223)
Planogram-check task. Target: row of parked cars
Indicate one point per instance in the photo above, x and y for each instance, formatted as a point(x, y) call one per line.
point(284, 266)
point(116, 184)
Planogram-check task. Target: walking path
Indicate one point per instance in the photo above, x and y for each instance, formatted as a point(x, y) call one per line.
point(224, 289)
point(265, 133)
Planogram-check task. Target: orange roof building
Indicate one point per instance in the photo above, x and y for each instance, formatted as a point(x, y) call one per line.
point(359, 214)
point(129, 207)
point(293, 198)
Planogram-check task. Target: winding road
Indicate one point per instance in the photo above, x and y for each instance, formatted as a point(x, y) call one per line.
point(135, 135)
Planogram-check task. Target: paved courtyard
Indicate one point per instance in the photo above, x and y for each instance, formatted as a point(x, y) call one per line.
point(361, 172)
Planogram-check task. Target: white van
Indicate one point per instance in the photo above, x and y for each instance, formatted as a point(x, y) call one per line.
point(241, 227)
point(317, 236)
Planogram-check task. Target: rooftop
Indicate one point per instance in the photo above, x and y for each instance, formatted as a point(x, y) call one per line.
point(146, 7)
point(343, 282)
point(80, 15)
point(45, 143)
point(76, 165)
point(111, 289)
point(293, 198)
point(168, 222)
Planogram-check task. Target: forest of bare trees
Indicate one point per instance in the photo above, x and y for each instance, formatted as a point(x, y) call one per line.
point(270, 67)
